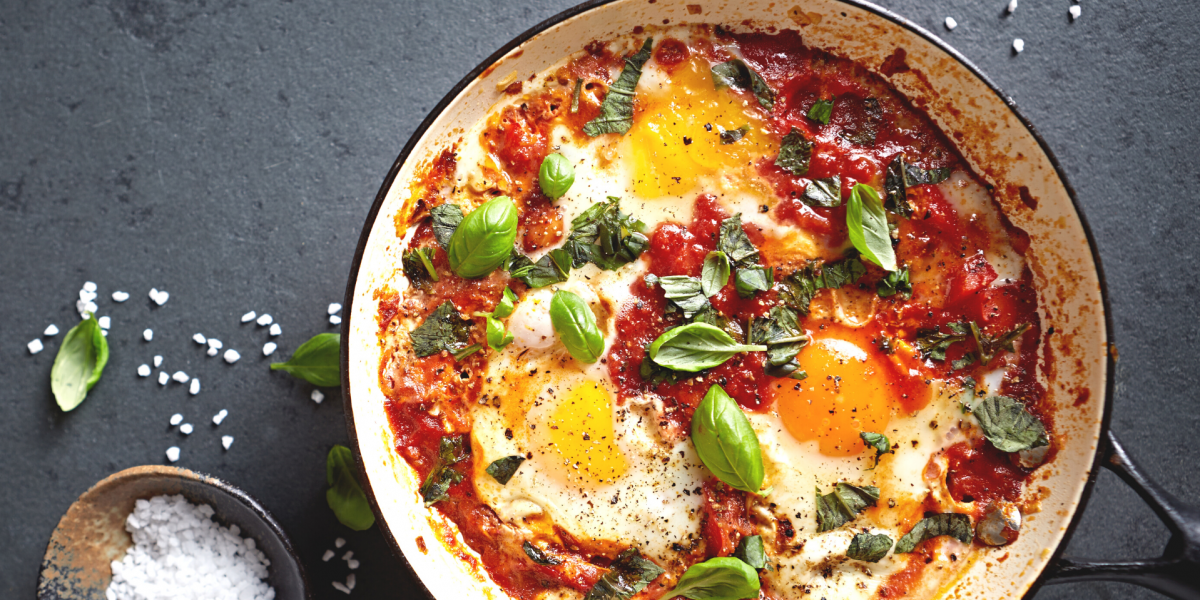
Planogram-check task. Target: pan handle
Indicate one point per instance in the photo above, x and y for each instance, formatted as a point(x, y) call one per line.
point(1177, 572)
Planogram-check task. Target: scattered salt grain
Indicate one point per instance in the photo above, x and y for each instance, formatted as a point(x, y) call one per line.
point(159, 298)
point(227, 441)
point(269, 348)
point(353, 564)
point(328, 555)
point(263, 320)
point(180, 377)
point(1012, 6)
point(334, 308)
point(35, 346)
point(1018, 45)
point(89, 286)
point(335, 320)
point(86, 295)
point(246, 318)
point(339, 586)
point(194, 387)
point(200, 339)
point(104, 322)
point(51, 331)
point(317, 396)
point(217, 418)
point(276, 329)
point(951, 23)
point(176, 419)
point(172, 455)
point(85, 306)
point(180, 552)
point(215, 343)
point(1075, 11)
point(158, 360)
point(148, 334)
point(186, 429)
point(232, 356)
point(212, 351)
point(163, 378)
point(144, 371)
point(350, 581)
point(348, 555)
point(338, 543)
point(104, 332)
point(119, 296)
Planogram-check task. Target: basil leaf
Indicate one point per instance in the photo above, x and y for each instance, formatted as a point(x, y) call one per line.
point(497, 336)
point(695, 347)
point(444, 329)
point(896, 282)
point(345, 496)
point(915, 175)
point(575, 324)
point(988, 345)
point(933, 343)
point(731, 136)
point(556, 175)
point(317, 361)
point(797, 290)
point(465, 352)
point(452, 449)
point(616, 111)
point(821, 111)
point(726, 443)
point(864, 132)
point(721, 578)
point(868, 227)
point(1008, 425)
point(795, 153)
point(507, 304)
point(879, 442)
point(446, 218)
point(825, 193)
point(750, 551)
point(684, 292)
point(418, 267)
point(780, 330)
point(79, 363)
point(537, 555)
point(843, 505)
point(895, 188)
point(484, 239)
point(575, 95)
point(606, 237)
point(553, 267)
point(503, 469)
point(753, 279)
point(954, 525)
point(736, 244)
point(738, 75)
point(715, 273)
point(629, 574)
point(869, 547)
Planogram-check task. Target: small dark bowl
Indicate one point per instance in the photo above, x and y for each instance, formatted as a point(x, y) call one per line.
point(77, 565)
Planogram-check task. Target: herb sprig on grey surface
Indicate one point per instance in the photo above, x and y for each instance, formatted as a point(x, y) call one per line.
point(345, 496)
point(616, 111)
point(726, 442)
point(79, 363)
point(317, 361)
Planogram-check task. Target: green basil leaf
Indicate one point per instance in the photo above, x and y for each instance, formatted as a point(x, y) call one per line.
point(506, 305)
point(695, 347)
point(879, 442)
point(868, 227)
point(629, 574)
point(465, 352)
point(575, 324)
point(989, 346)
point(750, 551)
point(556, 175)
point(616, 111)
point(1008, 425)
point(753, 279)
point(732, 136)
point(933, 343)
point(345, 496)
point(79, 363)
point(967, 360)
point(954, 525)
point(553, 267)
point(864, 132)
point(503, 469)
point(418, 267)
point(896, 282)
point(683, 291)
point(825, 193)
point(484, 239)
point(736, 244)
point(895, 188)
point(446, 219)
point(726, 443)
point(821, 111)
point(915, 175)
point(738, 75)
point(538, 556)
point(444, 329)
point(843, 505)
point(497, 336)
point(721, 578)
point(797, 290)
point(715, 273)
point(575, 95)
point(869, 547)
point(781, 332)
point(795, 153)
point(317, 361)
point(606, 237)
point(452, 449)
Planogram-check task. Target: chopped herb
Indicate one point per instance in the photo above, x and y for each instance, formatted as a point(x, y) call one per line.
point(736, 244)
point(901, 176)
point(878, 441)
point(605, 236)
point(553, 267)
point(915, 175)
point(780, 331)
point(469, 350)
point(750, 551)
point(826, 193)
point(954, 525)
point(795, 153)
point(497, 336)
point(575, 96)
point(869, 547)
point(738, 75)
point(843, 505)
point(444, 329)
point(988, 345)
point(797, 290)
point(616, 111)
point(753, 279)
point(506, 305)
point(539, 556)
point(683, 291)
point(730, 136)
point(821, 111)
point(933, 343)
point(629, 574)
point(418, 267)
point(715, 273)
point(967, 360)
point(503, 469)
point(1008, 425)
point(446, 218)
point(451, 450)
point(896, 282)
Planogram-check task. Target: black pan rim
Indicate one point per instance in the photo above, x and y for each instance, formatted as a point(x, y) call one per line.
point(904, 22)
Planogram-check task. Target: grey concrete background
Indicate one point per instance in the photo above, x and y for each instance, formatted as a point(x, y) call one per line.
point(227, 151)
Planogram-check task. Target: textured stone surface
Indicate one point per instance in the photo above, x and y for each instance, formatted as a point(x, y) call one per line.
point(228, 151)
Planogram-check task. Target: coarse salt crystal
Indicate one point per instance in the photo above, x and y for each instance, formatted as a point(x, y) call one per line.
point(352, 563)
point(338, 543)
point(317, 396)
point(246, 318)
point(951, 23)
point(1075, 10)
point(186, 429)
point(328, 555)
point(163, 378)
point(148, 334)
point(200, 339)
point(1012, 6)
point(158, 360)
point(144, 371)
point(215, 343)
point(87, 296)
point(85, 306)
point(180, 376)
point(227, 441)
point(89, 286)
point(217, 418)
point(35, 346)
point(264, 320)
point(335, 320)
point(348, 555)
point(1018, 45)
point(176, 419)
point(194, 387)
point(232, 356)
point(334, 308)
point(51, 331)
point(173, 453)
point(104, 322)
point(276, 329)
point(351, 580)
point(104, 332)
point(337, 585)
point(119, 296)
point(212, 351)
point(269, 348)
point(159, 298)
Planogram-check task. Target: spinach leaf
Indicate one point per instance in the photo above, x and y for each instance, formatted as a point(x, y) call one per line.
point(753, 279)
point(452, 449)
point(731, 136)
point(1008, 425)
point(879, 442)
point(503, 469)
point(781, 332)
point(720, 578)
point(79, 363)
point(865, 131)
point(843, 505)
point(575, 95)
point(317, 361)
point(444, 329)
point(507, 304)
point(868, 227)
point(605, 236)
point(736, 244)
point(556, 175)
point(750, 551)
point(869, 547)
point(695, 347)
point(418, 267)
point(629, 574)
point(795, 153)
point(821, 111)
point(539, 556)
point(715, 273)
point(446, 218)
point(575, 324)
point(825, 193)
point(497, 336)
point(797, 290)
point(896, 282)
point(738, 75)
point(952, 524)
point(553, 267)
point(933, 343)
point(683, 291)
point(726, 443)
point(988, 345)
point(345, 496)
point(484, 239)
point(616, 111)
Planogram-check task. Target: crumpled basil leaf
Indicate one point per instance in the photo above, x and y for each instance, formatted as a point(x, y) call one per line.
point(616, 111)
point(867, 227)
point(864, 132)
point(726, 442)
point(537, 555)
point(869, 547)
point(418, 267)
point(345, 496)
point(900, 176)
point(79, 363)
point(683, 291)
point(738, 75)
point(606, 237)
point(781, 332)
point(736, 244)
point(955, 525)
point(732, 136)
point(989, 346)
point(933, 343)
point(629, 574)
point(556, 175)
point(452, 449)
point(795, 153)
point(720, 578)
point(506, 305)
point(843, 505)
point(497, 335)
point(503, 469)
point(553, 267)
point(821, 111)
point(695, 347)
point(443, 329)
point(825, 193)
point(446, 218)
point(896, 282)
point(575, 324)
point(797, 290)
point(749, 280)
point(1008, 425)
point(715, 273)
point(317, 361)
point(879, 442)
point(750, 550)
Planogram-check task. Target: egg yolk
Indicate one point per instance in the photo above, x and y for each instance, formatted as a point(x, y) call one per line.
point(847, 392)
point(578, 437)
point(676, 140)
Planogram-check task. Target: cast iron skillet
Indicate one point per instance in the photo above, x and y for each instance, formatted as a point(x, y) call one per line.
point(1176, 573)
